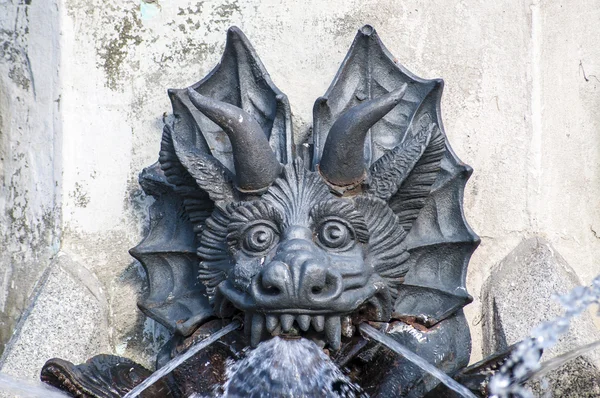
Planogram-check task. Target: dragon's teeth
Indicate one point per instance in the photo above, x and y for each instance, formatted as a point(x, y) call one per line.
point(318, 322)
point(303, 322)
point(347, 327)
point(272, 322)
point(256, 331)
point(333, 331)
point(286, 322)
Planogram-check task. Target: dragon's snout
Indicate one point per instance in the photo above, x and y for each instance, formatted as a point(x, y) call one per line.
point(303, 278)
point(304, 283)
point(298, 284)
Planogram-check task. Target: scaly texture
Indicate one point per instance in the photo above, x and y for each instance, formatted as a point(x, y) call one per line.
point(414, 190)
point(389, 171)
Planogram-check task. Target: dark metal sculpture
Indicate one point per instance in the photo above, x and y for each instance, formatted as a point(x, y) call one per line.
point(366, 225)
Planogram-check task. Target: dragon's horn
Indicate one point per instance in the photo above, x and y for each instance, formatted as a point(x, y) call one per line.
point(256, 166)
point(343, 163)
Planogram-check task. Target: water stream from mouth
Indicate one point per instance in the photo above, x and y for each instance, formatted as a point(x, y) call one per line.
point(175, 362)
point(288, 368)
point(26, 388)
point(395, 346)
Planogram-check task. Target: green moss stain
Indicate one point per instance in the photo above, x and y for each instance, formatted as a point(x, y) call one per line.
point(187, 52)
point(79, 196)
point(226, 11)
point(14, 48)
point(114, 52)
point(191, 10)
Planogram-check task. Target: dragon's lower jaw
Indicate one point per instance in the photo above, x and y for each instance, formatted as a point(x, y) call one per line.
point(323, 328)
point(325, 323)
point(328, 328)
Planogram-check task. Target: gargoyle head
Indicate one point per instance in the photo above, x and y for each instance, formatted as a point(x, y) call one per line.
point(314, 238)
point(363, 221)
point(301, 253)
point(312, 247)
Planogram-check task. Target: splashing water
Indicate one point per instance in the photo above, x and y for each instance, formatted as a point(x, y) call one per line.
point(175, 362)
point(287, 368)
point(417, 360)
point(26, 388)
point(525, 360)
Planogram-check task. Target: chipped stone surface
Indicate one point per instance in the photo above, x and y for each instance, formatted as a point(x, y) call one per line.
point(518, 296)
point(67, 319)
point(83, 93)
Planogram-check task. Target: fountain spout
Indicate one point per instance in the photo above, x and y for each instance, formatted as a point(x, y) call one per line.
point(175, 362)
point(374, 334)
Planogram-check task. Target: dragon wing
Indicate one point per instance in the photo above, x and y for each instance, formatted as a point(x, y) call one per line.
point(425, 191)
point(440, 243)
point(239, 79)
point(370, 71)
point(194, 172)
point(176, 298)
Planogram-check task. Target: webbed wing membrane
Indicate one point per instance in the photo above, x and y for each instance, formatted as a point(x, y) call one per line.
point(440, 245)
point(367, 72)
point(194, 171)
point(176, 298)
point(239, 79)
point(419, 175)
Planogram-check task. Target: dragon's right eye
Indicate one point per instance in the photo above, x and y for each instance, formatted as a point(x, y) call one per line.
point(336, 234)
point(259, 237)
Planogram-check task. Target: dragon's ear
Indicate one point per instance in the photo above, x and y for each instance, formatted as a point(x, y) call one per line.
point(190, 170)
point(404, 176)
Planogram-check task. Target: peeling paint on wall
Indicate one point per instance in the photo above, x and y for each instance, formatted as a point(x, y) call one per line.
point(149, 9)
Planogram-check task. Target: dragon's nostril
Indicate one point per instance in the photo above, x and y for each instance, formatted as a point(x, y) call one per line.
point(271, 290)
point(321, 285)
point(275, 278)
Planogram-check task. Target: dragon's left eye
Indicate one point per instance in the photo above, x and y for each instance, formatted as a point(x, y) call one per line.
point(259, 238)
point(336, 234)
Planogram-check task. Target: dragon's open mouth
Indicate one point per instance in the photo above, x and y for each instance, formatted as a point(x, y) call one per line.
point(371, 303)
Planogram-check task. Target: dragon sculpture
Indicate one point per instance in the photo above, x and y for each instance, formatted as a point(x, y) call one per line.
point(363, 223)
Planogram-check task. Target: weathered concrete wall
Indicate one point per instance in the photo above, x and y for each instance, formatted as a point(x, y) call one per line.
point(516, 107)
point(555, 160)
point(30, 151)
point(567, 132)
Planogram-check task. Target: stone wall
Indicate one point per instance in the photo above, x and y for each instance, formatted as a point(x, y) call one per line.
point(30, 151)
point(83, 93)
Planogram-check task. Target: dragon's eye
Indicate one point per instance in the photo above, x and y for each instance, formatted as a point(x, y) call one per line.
point(336, 234)
point(259, 237)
